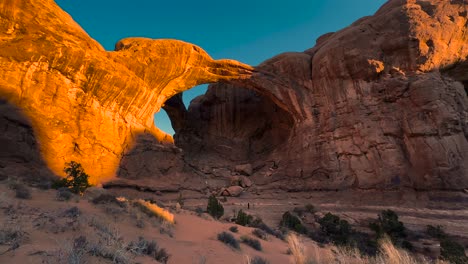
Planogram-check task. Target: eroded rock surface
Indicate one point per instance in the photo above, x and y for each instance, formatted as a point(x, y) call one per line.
point(380, 104)
point(84, 103)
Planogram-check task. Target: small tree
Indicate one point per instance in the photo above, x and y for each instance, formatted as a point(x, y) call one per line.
point(292, 222)
point(336, 229)
point(243, 219)
point(76, 180)
point(214, 208)
point(388, 224)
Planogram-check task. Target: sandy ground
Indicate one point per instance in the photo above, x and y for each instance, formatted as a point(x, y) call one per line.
point(49, 233)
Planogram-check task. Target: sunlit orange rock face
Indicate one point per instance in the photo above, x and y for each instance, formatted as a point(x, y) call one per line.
point(84, 103)
point(380, 104)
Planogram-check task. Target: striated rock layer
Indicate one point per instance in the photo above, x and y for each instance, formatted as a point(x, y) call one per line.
point(84, 103)
point(379, 104)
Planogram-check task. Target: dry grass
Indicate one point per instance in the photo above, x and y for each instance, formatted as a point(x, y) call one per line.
point(157, 211)
point(389, 254)
point(297, 249)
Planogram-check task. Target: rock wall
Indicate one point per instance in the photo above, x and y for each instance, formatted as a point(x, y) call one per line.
point(379, 104)
point(84, 103)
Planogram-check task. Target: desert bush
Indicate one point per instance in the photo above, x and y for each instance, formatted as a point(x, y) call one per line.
point(228, 239)
point(234, 229)
point(63, 194)
point(76, 180)
point(257, 260)
point(388, 224)
point(258, 223)
point(149, 248)
point(214, 207)
point(252, 242)
point(11, 236)
point(337, 230)
point(72, 212)
point(22, 192)
point(310, 208)
point(110, 244)
point(452, 251)
point(292, 222)
point(436, 231)
point(243, 219)
point(260, 234)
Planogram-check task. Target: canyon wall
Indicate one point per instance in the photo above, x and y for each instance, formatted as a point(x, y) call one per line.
point(380, 104)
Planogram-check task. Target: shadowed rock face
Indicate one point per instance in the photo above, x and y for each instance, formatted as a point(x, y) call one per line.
point(380, 104)
point(84, 103)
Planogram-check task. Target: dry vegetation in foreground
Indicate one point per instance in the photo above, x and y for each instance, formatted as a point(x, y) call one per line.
point(388, 254)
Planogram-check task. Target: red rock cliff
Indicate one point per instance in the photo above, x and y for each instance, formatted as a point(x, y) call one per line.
point(379, 104)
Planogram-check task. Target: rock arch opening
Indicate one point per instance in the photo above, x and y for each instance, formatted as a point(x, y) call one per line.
point(231, 124)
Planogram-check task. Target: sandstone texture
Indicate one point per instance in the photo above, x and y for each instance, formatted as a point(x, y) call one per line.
point(381, 104)
point(84, 103)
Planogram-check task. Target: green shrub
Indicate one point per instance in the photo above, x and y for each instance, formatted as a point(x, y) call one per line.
point(388, 224)
point(436, 231)
point(452, 252)
point(252, 242)
point(76, 180)
point(336, 229)
point(243, 219)
point(214, 208)
point(228, 239)
point(234, 229)
point(292, 222)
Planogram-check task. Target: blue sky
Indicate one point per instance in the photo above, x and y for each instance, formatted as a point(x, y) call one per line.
point(249, 31)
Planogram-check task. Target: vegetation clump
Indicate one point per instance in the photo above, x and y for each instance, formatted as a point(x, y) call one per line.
point(293, 222)
point(252, 242)
point(450, 250)
point(215, 208)
point(336, 229)
point(234, 229)
point(229, 240)
point(149, 248)
point(260, 234)
point(388, 224)
point(77, 180)
point(243, 219)
point(258, 260)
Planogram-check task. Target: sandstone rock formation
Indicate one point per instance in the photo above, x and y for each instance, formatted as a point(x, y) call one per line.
point(379, 104)
point(84, 103)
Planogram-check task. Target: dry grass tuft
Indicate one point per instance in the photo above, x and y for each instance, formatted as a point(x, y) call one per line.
point(297, 249)
point(157, 211)
point(389, 254)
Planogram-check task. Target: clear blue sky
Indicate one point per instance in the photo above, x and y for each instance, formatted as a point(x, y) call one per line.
point(249, 31)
